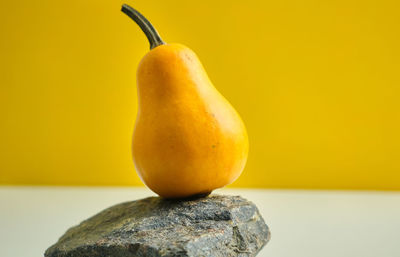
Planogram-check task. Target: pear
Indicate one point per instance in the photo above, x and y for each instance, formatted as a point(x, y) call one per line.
point(188, 140)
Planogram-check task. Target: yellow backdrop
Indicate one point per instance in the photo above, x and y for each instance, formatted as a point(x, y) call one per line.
point(316, 82)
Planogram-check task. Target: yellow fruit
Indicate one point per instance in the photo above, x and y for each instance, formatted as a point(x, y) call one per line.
point(188, 140)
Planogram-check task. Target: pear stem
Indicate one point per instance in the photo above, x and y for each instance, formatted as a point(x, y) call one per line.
point(148, 29)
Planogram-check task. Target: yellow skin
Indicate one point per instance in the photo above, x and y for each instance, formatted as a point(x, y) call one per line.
point(188, 139)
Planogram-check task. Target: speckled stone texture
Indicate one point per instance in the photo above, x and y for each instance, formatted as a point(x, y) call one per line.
point(216, 225)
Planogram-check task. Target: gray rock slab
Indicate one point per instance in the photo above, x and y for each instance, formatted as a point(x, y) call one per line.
point(216, 225)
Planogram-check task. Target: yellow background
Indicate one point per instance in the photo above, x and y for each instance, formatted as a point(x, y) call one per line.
point(317, 84)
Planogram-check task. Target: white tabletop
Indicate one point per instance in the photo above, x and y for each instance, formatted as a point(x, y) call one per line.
point(303, 223)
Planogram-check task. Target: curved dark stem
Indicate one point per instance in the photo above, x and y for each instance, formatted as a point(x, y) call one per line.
point(148, 29)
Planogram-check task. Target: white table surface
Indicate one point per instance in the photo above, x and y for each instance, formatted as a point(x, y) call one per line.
point(303, 223)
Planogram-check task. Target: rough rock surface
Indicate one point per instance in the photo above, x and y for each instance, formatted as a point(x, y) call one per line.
point(212, 226)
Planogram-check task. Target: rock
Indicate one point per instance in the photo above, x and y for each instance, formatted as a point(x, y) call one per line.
point(212, 226)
